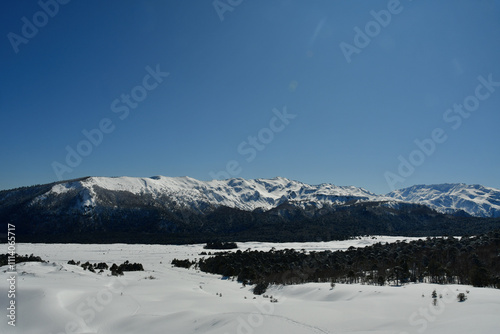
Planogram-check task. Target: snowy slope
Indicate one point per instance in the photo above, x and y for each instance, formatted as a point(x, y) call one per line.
point(476, 200)
point(59, 298)
point(235, 193)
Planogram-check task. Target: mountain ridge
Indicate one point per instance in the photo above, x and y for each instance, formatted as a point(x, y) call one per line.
point(237, 193)
point(476, 200)
point(185, 210)
point(265, 194)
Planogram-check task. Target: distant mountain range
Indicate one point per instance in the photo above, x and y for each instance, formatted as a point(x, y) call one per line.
point(266, 194)
point(475, 200)
point(175, 208)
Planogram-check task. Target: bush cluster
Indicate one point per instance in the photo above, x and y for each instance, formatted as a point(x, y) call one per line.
point(115, 269)
point(182, 263)
point(4, 258)
point(220, 245)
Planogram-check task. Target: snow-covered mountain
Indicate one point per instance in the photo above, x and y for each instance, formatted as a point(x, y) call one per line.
point(237, 193)
point(475, 200)
point(263, 194)
point(184, 210)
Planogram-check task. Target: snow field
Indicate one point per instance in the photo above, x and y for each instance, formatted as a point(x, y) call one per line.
point(56, 298)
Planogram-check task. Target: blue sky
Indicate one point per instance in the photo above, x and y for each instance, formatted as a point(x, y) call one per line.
point(346, 117)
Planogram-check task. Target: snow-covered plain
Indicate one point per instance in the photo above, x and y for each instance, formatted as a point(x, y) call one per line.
point(59, 298)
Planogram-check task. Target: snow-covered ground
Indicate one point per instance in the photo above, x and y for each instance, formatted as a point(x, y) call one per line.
point(56, 298)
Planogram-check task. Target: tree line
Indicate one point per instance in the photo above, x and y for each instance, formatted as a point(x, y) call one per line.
point(472, 260)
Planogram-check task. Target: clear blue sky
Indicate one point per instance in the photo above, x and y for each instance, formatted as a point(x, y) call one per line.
point(353, 119)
